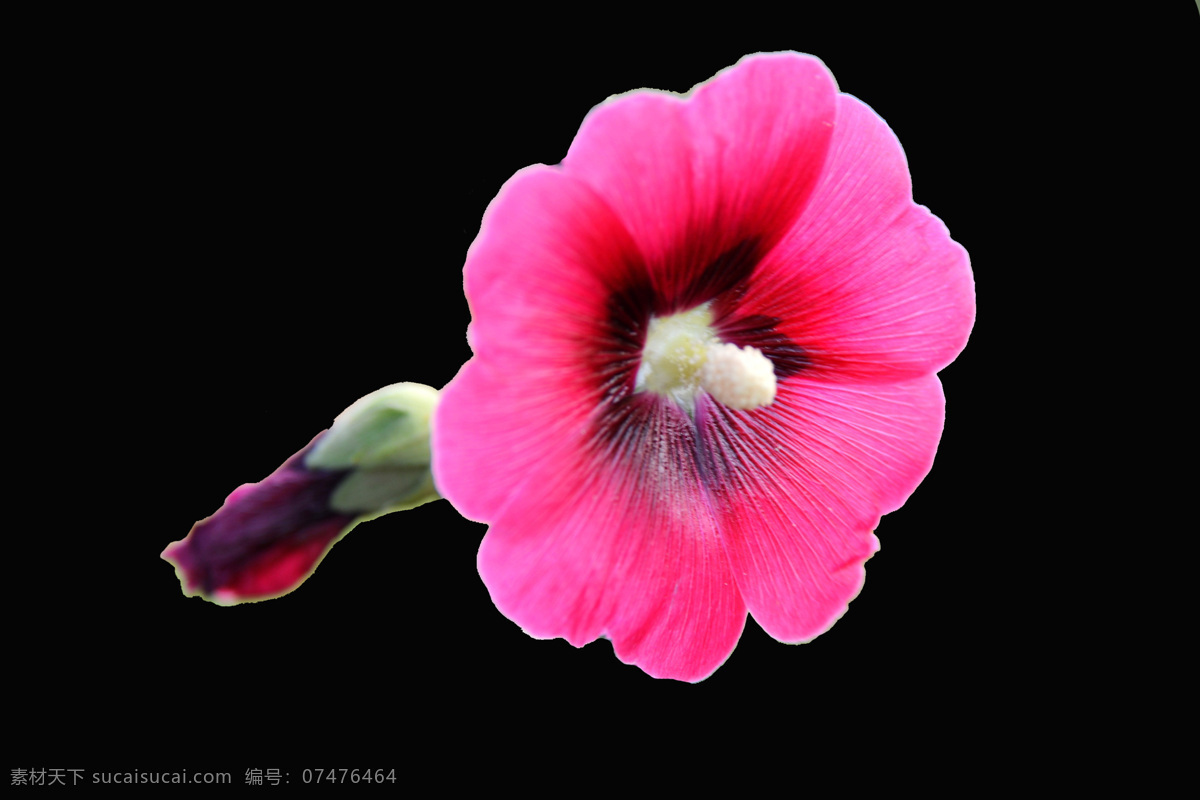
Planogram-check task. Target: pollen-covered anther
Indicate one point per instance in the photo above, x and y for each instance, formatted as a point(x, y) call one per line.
point(738, 377)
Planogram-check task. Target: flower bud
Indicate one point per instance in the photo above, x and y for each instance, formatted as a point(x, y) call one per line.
point(268, 537)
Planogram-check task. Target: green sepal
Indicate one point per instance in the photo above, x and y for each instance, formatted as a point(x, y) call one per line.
point(388, 428)
point(367, 491)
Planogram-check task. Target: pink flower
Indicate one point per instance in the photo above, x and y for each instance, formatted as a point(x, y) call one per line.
point(643, 479)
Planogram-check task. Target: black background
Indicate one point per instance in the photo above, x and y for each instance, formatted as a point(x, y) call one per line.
point(265, 219)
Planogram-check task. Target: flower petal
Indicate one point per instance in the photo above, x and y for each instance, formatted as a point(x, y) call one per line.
point(267, 537)
point(617, 539)
point(548, 348)
point(288, 564)
point(868, 284)
point(706, 185)
point(804, 483)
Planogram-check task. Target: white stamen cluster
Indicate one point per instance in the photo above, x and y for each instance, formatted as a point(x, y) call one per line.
point(739, 378)
point(682, 356)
